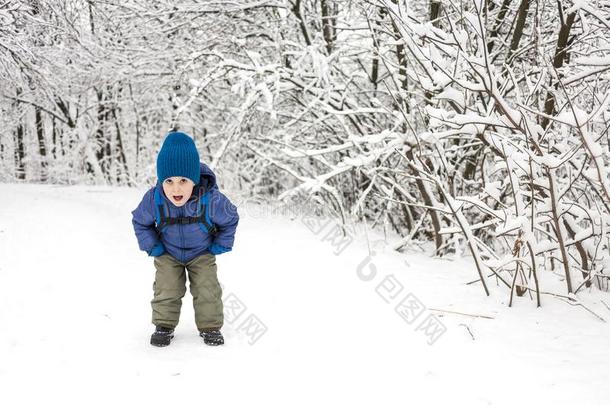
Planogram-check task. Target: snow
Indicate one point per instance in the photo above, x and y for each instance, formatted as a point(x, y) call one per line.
point(547, 160)
point(594, 60)
point(573, 117)
point(439, 116)
point(493, 188)
point(577, 5)
point(74, 317)
point(451, 94)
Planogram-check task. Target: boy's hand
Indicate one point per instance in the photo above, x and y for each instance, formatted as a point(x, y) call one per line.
point(157, 250)
point(217, 249)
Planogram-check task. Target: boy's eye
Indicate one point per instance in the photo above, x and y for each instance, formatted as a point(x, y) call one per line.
point(168, 181)
point(182, 181)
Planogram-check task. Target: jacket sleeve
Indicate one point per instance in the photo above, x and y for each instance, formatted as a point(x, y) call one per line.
point(224, 215)
point(143, 220)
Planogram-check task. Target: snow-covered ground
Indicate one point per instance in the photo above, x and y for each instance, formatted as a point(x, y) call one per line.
point(304, 324)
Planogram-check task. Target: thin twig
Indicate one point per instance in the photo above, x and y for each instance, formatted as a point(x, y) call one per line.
point(468, 329)
point(462, 313)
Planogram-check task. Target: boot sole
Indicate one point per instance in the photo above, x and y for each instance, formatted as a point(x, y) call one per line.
point(161, 342)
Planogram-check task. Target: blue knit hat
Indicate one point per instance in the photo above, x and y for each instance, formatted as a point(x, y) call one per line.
point(178, 157)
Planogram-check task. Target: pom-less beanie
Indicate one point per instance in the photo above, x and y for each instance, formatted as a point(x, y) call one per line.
point(178, 157)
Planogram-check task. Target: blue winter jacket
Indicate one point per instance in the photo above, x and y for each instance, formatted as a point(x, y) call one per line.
point(187, 241)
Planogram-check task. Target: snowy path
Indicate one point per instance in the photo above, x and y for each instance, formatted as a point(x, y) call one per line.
point(75, 320)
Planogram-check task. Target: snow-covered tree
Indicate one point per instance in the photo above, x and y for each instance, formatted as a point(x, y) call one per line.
point(479, 126)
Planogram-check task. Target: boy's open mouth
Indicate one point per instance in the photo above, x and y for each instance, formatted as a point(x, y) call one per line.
point(177, 198)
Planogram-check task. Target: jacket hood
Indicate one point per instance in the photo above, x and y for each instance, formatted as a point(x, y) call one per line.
point(207, 177)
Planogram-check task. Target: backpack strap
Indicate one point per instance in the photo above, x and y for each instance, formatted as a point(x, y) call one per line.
point(160, 209)
point(205, 222)
point(203, 217)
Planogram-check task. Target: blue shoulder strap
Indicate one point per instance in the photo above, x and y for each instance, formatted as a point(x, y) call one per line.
point(159, 205)
point(204, 210)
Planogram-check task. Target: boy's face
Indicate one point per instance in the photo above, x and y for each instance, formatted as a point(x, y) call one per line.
point(178, 190)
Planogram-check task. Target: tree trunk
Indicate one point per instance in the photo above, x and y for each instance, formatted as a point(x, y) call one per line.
point(65, 109)
point(377, 30)
point(54, 139)
point(498, 23)
point(402, 70)
point(584, 262)
point(328, 29)
point(296, 10)
point(19, 153)
point(103, 151)
point(430, 201)
point(120, 149)
point(557, 229)
point(41, 144)
point(91, 22)
point(518, 33)
point(560, 55)
point(435, 12)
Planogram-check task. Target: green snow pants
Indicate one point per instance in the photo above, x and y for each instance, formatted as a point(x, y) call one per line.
point(170, 286)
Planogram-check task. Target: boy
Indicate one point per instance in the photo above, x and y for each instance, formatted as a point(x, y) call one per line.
point(184, 222)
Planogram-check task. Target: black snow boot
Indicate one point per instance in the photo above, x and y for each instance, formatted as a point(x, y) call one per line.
point(162, 336)
point(212, 337)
